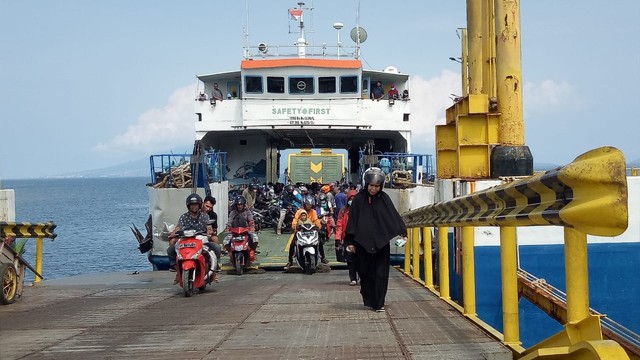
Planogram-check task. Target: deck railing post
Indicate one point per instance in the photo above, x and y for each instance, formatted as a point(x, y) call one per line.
point(468, 271)
point(428, 259)
point(39, 242)
point(407, 254)
point(415, 250)
point(509, 268)
point(577, 275)
point(443, 260)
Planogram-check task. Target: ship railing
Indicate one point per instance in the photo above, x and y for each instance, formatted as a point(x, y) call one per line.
point(180, 170)
point(402, 169)
point(587, 196)
point(311, 51)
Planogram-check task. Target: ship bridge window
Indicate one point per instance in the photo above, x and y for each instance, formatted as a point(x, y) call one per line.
point(301, 85)
point(253, 84)
point(348, 84)
point(275, 84)
point(327, 85)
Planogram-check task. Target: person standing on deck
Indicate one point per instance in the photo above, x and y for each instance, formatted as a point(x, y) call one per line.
point(216, 93)
point(343, 219)
point(373, 222)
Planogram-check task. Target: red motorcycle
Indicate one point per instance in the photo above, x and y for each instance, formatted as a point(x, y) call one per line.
point(240, 253)
point(194, 270)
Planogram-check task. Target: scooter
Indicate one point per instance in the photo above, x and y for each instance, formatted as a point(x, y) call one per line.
point(193, 268)
point(240, 253)
point(307, 242)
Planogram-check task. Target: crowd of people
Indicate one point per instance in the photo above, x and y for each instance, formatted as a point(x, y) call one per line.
point(361, 218)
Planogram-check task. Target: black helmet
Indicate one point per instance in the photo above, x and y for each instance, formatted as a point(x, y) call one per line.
point(289, 188)
point(193, 199)
point(239, 200)
point(374, 175)
point(308, 200)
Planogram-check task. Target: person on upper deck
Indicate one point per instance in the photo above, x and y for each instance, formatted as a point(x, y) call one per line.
point(405, 95)
point(202, 97)
point(377, 92)
point(393, 92)
point(216, 94)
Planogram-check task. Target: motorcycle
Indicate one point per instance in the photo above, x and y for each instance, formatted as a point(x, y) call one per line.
point(194, 269)
point(307, 243)
point(240, 253)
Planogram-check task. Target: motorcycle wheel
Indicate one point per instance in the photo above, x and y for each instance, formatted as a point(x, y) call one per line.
point(310, 264)
point(239, 258)
point(187, 284)
point(9, 284)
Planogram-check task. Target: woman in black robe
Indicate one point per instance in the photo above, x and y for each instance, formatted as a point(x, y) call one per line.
point(373, 222)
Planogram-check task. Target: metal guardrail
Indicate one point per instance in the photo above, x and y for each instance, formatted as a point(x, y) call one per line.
point(39, 231)
point(588, 196)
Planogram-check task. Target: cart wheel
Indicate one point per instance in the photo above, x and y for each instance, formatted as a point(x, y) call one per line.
point(9, 283)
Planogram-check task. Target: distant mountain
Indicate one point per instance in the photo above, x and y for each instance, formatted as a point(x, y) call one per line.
point(136, 168)
point(544, 166)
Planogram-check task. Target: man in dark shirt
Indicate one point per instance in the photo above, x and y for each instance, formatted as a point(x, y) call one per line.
point(377, 92)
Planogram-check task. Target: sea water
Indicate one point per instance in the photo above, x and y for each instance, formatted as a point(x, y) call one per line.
point(92, 215)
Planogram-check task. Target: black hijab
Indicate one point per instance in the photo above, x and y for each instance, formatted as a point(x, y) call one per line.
point(373, 221)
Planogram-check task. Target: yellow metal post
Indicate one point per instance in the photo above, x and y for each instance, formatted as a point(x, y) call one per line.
point(415, 250)
point(474, 34)
point(509, 266)
point(488, 49)
point(464, 63)
point(443, 259)
point(577, 275)
point(428, 259)
point(468, 271)
point(407, 254)
point(39, 242)
point(509, 72)
point(634, 171)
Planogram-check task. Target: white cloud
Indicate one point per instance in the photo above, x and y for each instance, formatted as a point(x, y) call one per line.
point(157, 129)
point(429, 100)
point(547, 94)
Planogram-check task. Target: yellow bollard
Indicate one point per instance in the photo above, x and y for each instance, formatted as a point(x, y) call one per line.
point(577, 275)
point(415, 250)
point(509, 266)
point(407, 254)
point(468, 271)
point(38, 258)
point(428, 259)
point(443, 259)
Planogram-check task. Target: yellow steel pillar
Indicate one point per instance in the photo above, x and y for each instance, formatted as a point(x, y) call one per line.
point(577, 275)
point(407, 254)
point(511, 158)
point(39, 242)
point(509, 72)
point(415, 250)
point(474, 34)
point(428, 260)
point(509, 267)
point(443, 259)
point(468, 271)
point(464, 62)
point(488, 49)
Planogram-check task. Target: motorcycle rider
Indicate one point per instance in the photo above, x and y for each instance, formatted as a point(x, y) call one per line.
point(195, 219)
point(307, 208)
point(241, 216)
point(326, 209)
point(288, 197)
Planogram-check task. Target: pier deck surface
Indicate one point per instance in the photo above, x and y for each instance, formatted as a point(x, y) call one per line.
point(271, 315)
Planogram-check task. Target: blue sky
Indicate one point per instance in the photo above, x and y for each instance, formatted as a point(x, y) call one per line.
point(89, 84)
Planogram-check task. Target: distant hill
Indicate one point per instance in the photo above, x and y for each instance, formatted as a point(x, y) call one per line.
point(136, 168)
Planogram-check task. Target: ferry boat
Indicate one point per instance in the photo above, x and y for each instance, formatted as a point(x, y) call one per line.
point(320, 97)
point(282, 98)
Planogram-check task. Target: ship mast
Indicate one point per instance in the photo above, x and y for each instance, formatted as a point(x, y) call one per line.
point(301, 44)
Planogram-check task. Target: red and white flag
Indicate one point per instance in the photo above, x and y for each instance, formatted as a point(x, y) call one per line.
point(295, 14)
